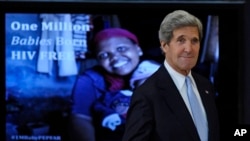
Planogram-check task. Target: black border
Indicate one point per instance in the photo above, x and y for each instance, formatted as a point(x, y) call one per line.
point(231, 101)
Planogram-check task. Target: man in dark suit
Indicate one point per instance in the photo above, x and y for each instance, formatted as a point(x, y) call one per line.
point(160, 108)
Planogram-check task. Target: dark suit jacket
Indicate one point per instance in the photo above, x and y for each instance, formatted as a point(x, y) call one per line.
point(158, 112)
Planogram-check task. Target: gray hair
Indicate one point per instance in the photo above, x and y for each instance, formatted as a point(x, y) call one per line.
point(175, 20)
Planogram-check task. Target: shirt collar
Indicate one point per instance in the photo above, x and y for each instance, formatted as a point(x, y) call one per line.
point(177, 77)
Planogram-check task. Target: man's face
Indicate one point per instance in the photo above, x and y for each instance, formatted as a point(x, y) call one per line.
point(183, 50)
point(118, 55)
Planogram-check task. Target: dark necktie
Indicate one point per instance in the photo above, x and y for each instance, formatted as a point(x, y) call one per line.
point(198, 116)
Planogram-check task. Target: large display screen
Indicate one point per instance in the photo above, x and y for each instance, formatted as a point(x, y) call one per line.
point(45, 52)
point(47, 47)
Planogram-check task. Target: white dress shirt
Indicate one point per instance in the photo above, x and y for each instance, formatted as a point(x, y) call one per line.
point(179, 81)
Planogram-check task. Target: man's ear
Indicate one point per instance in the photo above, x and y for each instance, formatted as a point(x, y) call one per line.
point(163, 44)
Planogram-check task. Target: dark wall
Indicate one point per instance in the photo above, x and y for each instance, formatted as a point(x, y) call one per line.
point(245, 113)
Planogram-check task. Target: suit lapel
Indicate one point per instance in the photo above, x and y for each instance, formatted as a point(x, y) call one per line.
point(175, 102)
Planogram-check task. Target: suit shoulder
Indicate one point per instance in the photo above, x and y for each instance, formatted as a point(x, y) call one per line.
point(202, 81)
point(200, 77)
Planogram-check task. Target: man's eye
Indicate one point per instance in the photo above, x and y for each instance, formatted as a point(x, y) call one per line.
point(195, 41)
point(182, 40)
point(102, 56)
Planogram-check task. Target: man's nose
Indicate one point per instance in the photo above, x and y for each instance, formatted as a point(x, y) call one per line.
point(188, 46)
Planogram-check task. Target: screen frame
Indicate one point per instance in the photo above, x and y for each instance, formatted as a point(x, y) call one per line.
point(231, 52)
